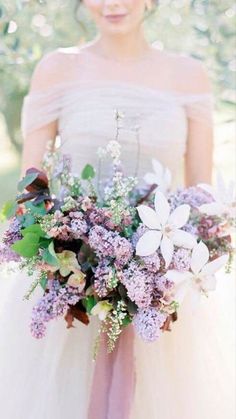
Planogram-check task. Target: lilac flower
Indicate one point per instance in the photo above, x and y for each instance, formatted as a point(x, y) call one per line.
point(181, 260)
point(101, 240)
point(78, 224)
point(12, 234)
point(38, 329)
point(53, 304)
point(7, 255)
point(148, 323)
point(152, 262)
point(62, 232)
point(97, 216)
point(162, 284)
point(138, 284)
point(103, 275)
point(123, 251)
point(110, 244)
point(193, 196)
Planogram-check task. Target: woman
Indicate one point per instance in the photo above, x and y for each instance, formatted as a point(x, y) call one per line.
point(73, 93)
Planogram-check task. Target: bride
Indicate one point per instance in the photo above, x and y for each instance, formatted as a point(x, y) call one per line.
point(188, 373)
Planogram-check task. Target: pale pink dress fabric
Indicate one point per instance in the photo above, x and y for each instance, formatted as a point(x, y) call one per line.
point(188, 373)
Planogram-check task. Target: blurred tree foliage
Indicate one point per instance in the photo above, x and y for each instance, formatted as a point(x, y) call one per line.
point(30, 28)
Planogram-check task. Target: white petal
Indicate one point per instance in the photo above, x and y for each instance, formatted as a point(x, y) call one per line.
point(208, 188)
point(214, 208)
point(162, 207)
point(211, 267)
point(183, 238)
point(180, 215)
point(200, 256)
point(148, 243)
point(209, 283)
point(167, 250)
point(158, 168)
point(167, 177)
point(150, 178)
point(148, 217)
point(177, 276)
point(181, 290)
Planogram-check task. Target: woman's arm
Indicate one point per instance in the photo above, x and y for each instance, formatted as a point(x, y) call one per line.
point(199, 152)
point(34, 146)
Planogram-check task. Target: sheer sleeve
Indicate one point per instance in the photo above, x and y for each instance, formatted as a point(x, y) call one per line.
point(199, 107)
point(39, 109)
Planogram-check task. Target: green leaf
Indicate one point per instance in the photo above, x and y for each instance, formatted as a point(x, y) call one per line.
point(36, 209)
point(43, 281)
point(44, 242)
point(28, 246)
point(27, 220)
point(27, 180)
point(132, 307)
point(33, 228)
point(8, 210)
point(88, 172)
point(50, 257)
point(127, 320)
point(89, 303)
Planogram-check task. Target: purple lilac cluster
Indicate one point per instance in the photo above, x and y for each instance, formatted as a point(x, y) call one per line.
point(152, 263)
point(68, 227)
point(110, 244)
point(161, 284)
point(78, 224)
point(53, 304)
point(181, 259)
point(139, 285)
point(7, 255)
point(13, 233)
point(103, 216)
point(193, 196)
point(148, 322)
point(102, 275)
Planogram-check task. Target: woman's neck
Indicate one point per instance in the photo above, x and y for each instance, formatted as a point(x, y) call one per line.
point(121, 47)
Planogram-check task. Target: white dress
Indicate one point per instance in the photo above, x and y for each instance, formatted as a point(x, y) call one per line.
point(188, 373)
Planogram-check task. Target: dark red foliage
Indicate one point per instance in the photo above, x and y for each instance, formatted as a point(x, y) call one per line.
point(40, 183)
point(76, 312)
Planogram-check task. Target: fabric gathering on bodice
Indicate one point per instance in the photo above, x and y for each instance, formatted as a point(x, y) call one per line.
point(154, 123)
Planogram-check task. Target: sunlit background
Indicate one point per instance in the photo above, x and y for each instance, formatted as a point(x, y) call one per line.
point(30, 28)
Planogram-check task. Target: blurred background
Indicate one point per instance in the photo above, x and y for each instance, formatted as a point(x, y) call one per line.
point(204, 29)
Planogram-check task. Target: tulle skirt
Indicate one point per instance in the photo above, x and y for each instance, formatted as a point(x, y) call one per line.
point(188, 374)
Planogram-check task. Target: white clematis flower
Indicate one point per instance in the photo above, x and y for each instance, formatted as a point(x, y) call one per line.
point(165, 228)
point(160, 177)
point(224, 198)
point(201, 278)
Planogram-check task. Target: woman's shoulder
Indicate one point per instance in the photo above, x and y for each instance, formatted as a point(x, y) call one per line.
point(53, 68)
point(190, 74)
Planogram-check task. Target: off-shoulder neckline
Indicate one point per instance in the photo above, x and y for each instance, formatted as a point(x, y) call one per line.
point(113, 84)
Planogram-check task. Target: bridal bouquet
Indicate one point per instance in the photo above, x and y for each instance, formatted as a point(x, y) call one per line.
point(117, 251)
